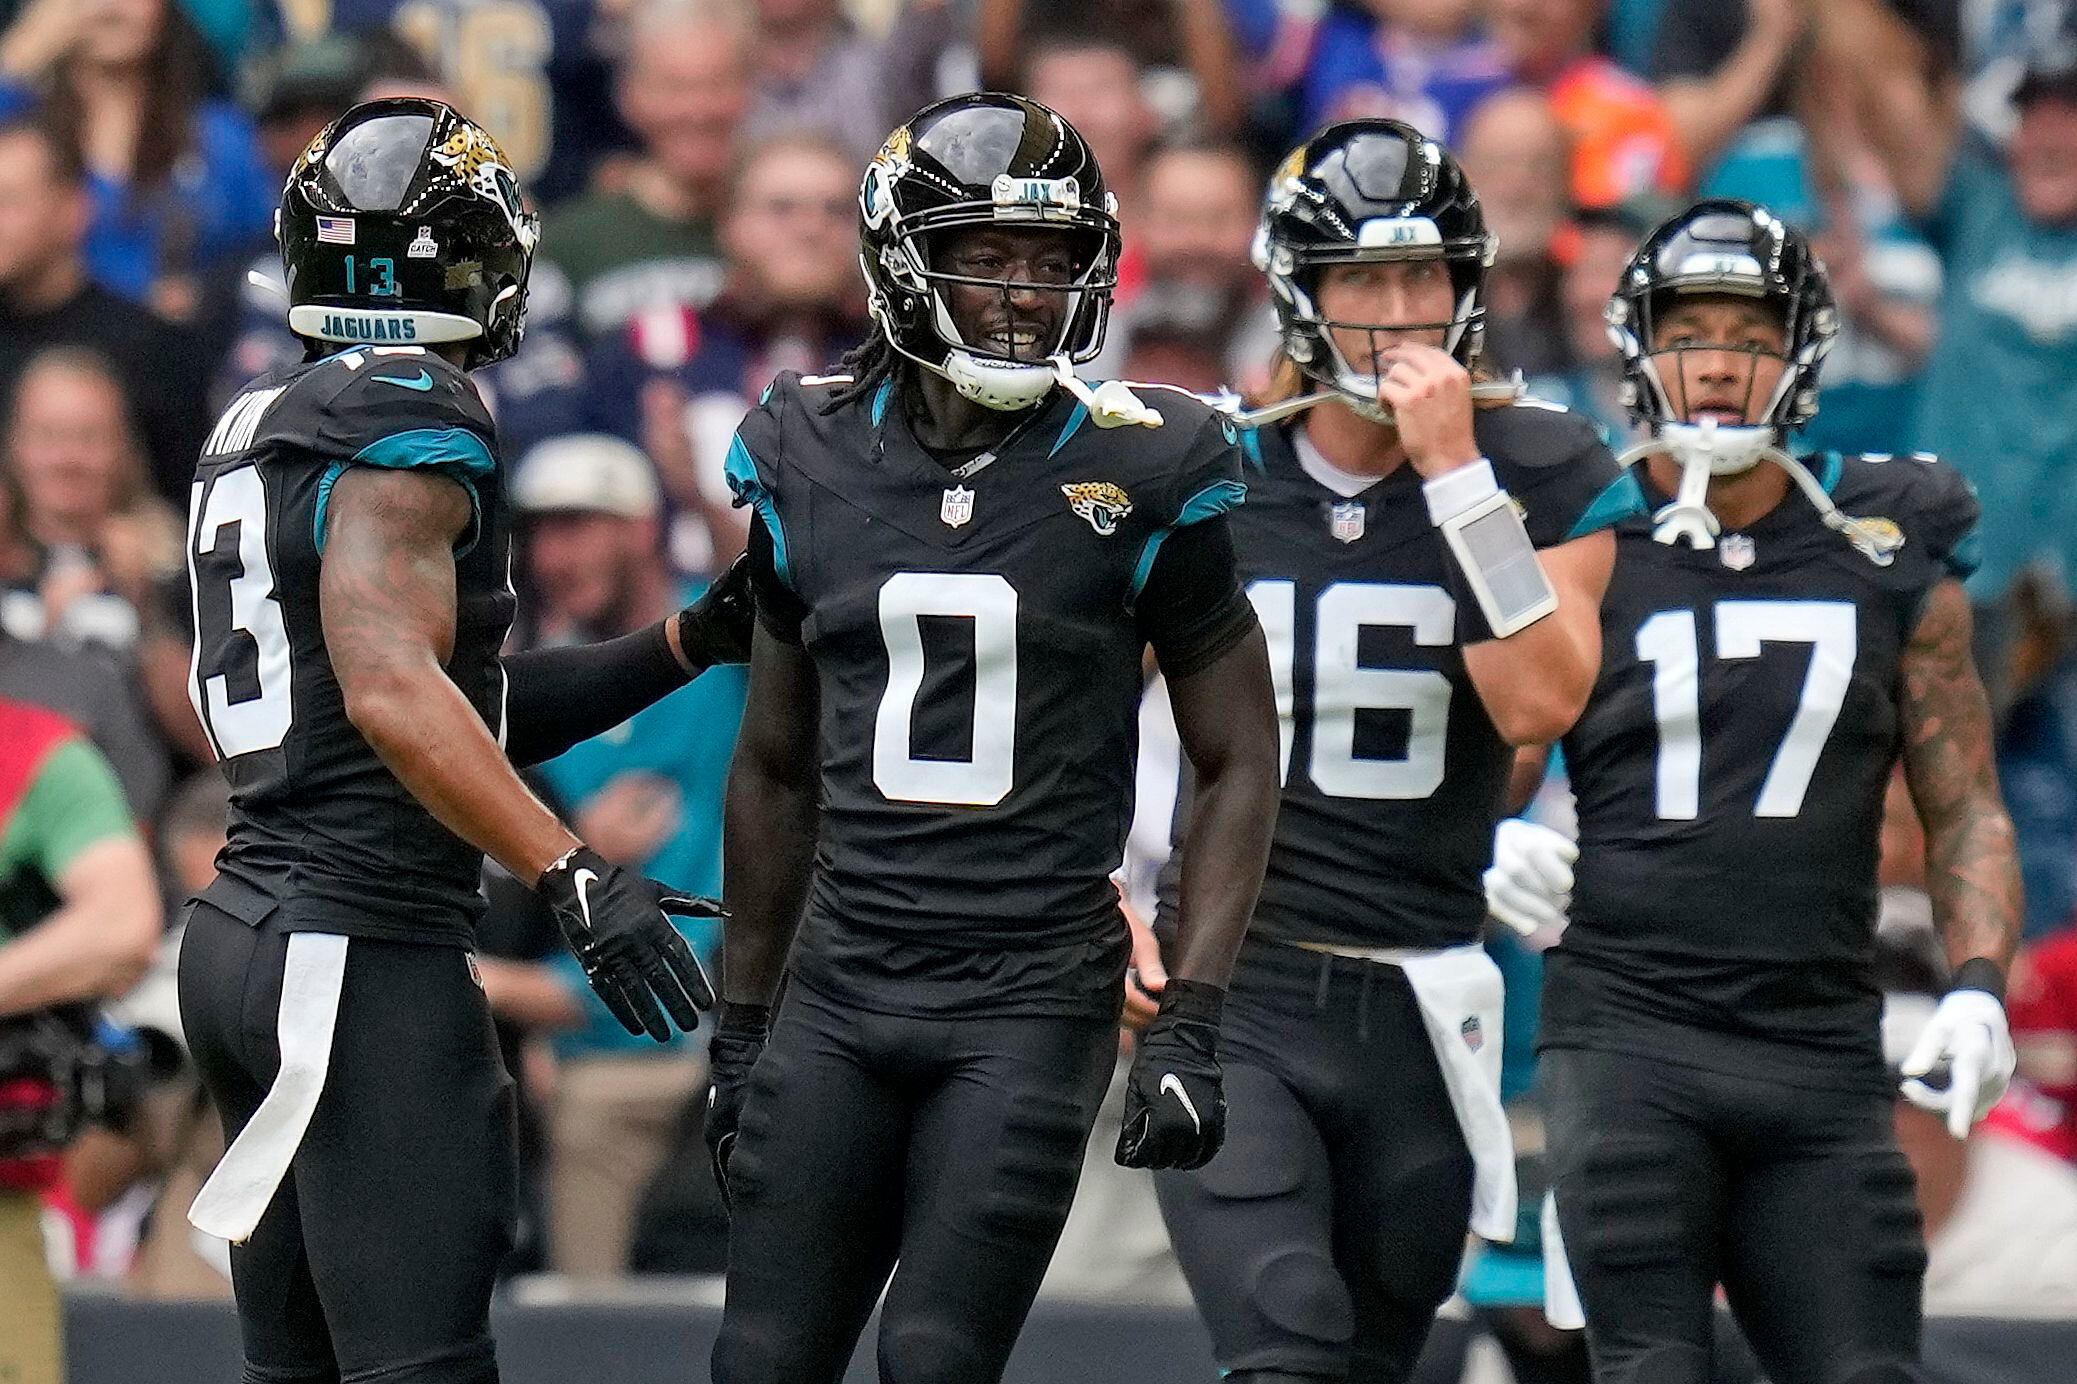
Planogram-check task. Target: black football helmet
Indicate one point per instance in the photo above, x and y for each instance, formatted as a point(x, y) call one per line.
point(1365, 191)
point(402, 223)
point(984, 159)
point(1723, 246)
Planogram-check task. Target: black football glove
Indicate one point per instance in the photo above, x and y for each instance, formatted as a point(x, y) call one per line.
point(716, 628)
point(613, 922)
point(1175, 1098)
point(738, 1038)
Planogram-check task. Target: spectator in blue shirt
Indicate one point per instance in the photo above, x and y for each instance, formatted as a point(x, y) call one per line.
point(175, 175)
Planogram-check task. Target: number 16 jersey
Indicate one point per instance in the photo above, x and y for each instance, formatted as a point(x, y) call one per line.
point(1730, 769)
point(320, 828)
point(977, 640)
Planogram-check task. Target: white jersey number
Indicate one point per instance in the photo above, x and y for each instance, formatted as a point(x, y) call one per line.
point(984, 778)
point(1668, 642)
point(243, 726)
point(1342, 686)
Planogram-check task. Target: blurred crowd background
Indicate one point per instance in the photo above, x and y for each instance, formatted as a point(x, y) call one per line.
point(696, 162)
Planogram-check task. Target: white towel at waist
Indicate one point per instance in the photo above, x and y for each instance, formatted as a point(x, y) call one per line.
point(1461, 995)
point(237, 1194)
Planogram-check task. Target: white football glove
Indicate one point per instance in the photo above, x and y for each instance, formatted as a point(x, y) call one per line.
point(1968, 1033)
point(1529, 884)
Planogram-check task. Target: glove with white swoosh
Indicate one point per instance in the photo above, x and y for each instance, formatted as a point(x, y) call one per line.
point(614, 922)
point(1175, 1099)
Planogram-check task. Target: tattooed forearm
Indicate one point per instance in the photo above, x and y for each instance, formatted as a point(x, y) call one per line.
point(1972, 869)
point(386, 594)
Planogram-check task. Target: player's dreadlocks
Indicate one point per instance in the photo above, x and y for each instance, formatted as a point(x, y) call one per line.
point(868, 363)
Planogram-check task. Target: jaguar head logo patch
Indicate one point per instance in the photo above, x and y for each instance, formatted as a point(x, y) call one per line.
point(1100, 502)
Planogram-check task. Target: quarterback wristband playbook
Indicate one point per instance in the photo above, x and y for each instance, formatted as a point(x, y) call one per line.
point(1501, 588)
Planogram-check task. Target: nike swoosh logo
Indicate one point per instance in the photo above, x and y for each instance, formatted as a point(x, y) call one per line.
point(1172, 1085)
point(422, 382)
point(585, 878)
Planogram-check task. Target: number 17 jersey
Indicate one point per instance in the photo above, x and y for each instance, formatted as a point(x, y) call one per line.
point(1730, 770)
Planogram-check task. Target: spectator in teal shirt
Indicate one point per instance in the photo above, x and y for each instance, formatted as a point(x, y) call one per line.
point(646, 794)
point(1997, 392)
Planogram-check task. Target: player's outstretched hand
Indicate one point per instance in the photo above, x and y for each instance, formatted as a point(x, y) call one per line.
point(716, 628)
point(614, 922)
point(1969, 1035)
point(739, 1037)
point(1529, 884)
point(1175, 1097)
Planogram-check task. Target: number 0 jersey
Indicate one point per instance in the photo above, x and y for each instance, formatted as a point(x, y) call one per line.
point(1393, 773)
point(320, 828)
point(1730, 771)
point(979, 662)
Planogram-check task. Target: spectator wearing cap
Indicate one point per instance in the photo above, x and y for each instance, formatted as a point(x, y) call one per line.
point(678, 380)
point(1515, 153)
point(684, 89)
point(2004, 366)
point(174, 174)
point(48, 300)
point(646, 794)
point(1623, 142)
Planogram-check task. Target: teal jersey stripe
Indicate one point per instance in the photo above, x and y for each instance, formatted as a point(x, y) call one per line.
point(1071, 427)
point(741, 472)
point(1619, 500)
point(1216, 498)
point(456, 453)
point(455, 449)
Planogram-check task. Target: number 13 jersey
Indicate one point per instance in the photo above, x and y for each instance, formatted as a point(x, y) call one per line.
point(1730, 770)
point(979, 658)
point(319, 825)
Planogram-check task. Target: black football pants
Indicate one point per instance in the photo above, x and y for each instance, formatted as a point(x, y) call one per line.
point(375, 1261)
point(951, 1145)
point(1672, 1179)
point(1321, 1239)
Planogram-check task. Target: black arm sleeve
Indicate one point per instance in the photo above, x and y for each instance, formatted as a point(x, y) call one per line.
point(556, 698)
point(1192, 609)
point(779, 610)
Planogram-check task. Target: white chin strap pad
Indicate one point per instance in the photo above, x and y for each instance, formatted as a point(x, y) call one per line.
point(998, 384)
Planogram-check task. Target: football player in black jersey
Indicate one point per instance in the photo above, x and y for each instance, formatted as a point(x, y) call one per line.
point(961, 552)
point(1427, 569)
point(347, 551)
point(1719, 1109)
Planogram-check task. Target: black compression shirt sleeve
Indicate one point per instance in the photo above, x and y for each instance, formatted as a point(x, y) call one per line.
point(556, 698)
point(1192, 609)
point(779, 610)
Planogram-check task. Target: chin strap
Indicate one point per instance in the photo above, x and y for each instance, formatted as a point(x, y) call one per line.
point(1688, 518)
point(1485, 391)
point(1111, 404)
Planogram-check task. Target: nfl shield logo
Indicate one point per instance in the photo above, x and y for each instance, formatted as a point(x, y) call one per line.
point(1737, 551)
point(1474, 1033)
point(1345, 521)
point(958, 506)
